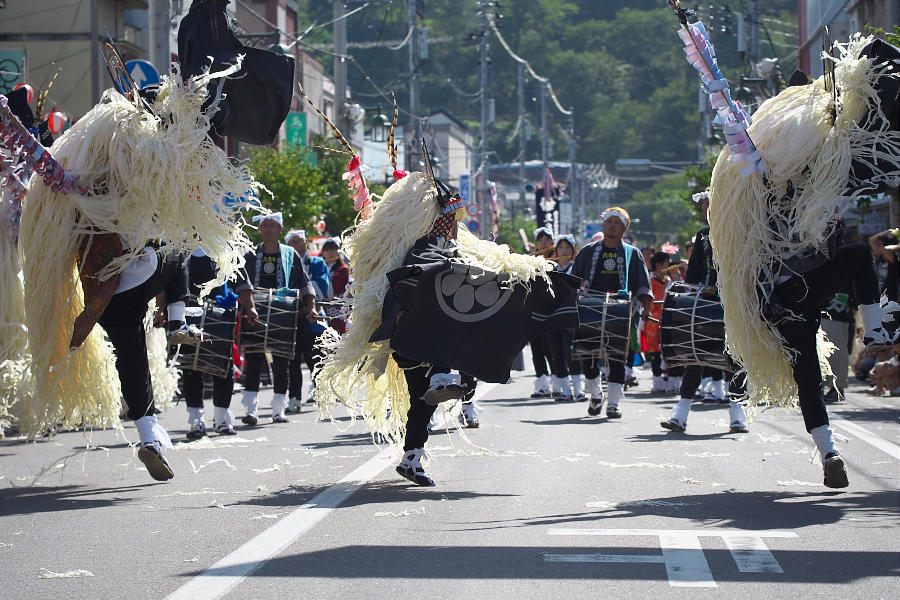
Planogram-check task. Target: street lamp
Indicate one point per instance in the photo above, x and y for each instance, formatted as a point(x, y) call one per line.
point(380, 126)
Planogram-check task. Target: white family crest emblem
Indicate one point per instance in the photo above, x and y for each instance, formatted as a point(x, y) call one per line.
point(470, 294)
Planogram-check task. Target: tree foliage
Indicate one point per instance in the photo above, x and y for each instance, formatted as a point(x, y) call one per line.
point(618, 65)
point(306, 186)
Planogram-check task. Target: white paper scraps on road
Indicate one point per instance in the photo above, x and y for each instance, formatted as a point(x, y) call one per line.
point(265, 516)
point(228, 572)
point(271, 469)
point(48, 574)
point(707, 454)
point(190, 560)
point(691, 481)
point(202, 492)
point(402, 513)
point(221, 441)
point(639, 465)
point(873, 439)
point(797, 482)
point(682, 554)
point(213, 461)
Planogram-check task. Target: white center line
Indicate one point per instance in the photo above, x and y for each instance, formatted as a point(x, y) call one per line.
point(867, 436)
point(217, 580)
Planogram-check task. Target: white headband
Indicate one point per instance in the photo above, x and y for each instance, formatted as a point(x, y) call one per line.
point(301, 233)
point(333, 240)
point(612, 212)
point(700, 197)
point(275, 216)
point(543, 230)
point(567, 237)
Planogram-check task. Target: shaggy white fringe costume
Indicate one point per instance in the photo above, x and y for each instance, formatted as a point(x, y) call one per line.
point(13, 337)
point(361, 375)
point(803, 147)
point(149, 176)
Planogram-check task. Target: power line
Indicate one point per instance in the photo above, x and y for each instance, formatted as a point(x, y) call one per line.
point(519, 59)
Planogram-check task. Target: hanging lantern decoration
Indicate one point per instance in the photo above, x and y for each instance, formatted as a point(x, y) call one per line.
point(320, 227)
point(56, 121)
point(28, 88)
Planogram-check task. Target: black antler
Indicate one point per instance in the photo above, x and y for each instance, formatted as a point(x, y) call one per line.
point(337, 132)
point(392, 147)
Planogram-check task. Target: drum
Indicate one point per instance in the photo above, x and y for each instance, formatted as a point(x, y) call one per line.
point(215, 354)
point(692, 328)
point(276, 331)
point(604, 323)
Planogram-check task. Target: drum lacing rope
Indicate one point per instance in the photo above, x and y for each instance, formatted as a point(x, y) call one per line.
point(266, 325)
point(197, 346)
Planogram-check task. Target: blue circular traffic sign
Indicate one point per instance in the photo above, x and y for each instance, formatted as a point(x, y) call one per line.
point(142, 72)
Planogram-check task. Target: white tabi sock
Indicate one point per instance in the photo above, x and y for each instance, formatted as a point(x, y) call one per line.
point(577, 385)
point(279, 403)
point(736, 413)
point(150, 431)
point(195, 415)
point(718, 389)
point(250, 402)
point(681, 410)
point(223, 416)
point(824, 440)
point(592, 387)
point(145, 429)
point(614, 393)
point(176, 311)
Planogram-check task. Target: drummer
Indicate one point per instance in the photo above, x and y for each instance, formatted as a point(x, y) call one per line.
point(273, 265)
point(540, 347)
point(702, 271)
point(202, 269)
point(611, 265)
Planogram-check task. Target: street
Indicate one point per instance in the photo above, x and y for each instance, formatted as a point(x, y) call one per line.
point(541, 502)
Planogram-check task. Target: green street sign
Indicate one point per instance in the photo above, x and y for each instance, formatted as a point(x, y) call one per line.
point(295, 129)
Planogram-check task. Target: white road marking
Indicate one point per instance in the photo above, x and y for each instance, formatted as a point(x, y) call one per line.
point(751, 555)
point(228, 572)
point(867, 436)
point(682, 554)
point(217, 580)
point(686, 564)
point(604, 558)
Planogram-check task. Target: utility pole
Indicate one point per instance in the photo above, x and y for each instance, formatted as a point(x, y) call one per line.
point(482, 187)
point(521, 90)
point(95, 53)
point(412, 153)
point(340, 65)
point(754, 36)
point(574, 197)
point(543, 107)
point(159, 19)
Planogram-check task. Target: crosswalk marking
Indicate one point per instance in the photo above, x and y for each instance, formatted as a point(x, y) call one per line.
point(682, 554)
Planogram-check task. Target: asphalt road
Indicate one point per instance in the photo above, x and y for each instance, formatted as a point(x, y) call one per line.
point(541, 502)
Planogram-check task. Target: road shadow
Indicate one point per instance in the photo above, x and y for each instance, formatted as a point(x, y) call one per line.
point(521, 402)
point(740, 510)
point(47, 499)
point(663, 435)
point(372, 493)
point(443, 563)
point(344, 439)
point(585, 420)
point(869, 415)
